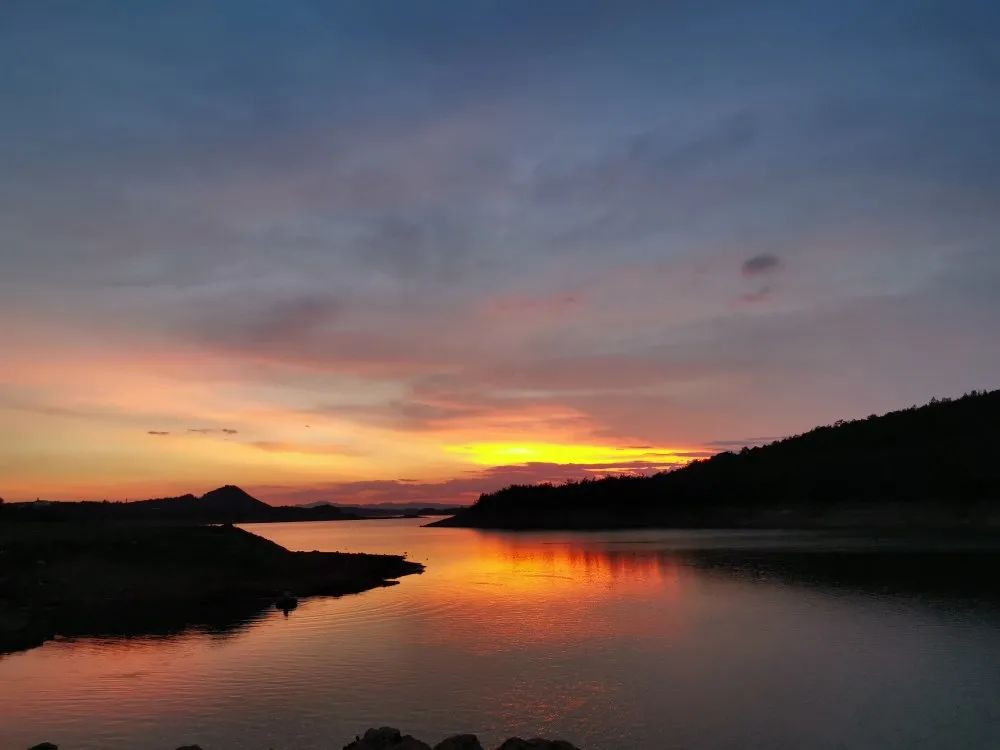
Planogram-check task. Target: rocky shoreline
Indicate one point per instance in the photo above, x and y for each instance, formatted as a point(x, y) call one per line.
point(390, 738)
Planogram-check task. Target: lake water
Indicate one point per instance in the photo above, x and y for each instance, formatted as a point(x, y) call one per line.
point(641, 639)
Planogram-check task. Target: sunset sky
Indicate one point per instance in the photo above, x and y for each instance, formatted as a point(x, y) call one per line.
point(396, 251)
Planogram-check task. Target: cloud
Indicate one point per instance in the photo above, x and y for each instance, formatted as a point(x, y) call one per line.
point(462, 490)
point(759, 295)
point(245, 322)
point(321, 449)
point(695, 454)
point(760, 264)
point(213, 430)
point(645, 185)
point(472, 250)
point(433, 247)
point(549, 307)
point(157, 432)
point(410, 414)
point(725, 445)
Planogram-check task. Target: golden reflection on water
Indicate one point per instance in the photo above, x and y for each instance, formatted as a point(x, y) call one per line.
point(528, 567)
point(611, 640)
point(511, 593)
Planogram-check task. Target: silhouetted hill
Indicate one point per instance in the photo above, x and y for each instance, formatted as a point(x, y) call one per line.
point(228, 504)
point(934, 465)
point(231, 499)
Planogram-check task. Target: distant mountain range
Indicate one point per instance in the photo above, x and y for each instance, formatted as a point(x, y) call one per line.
point(228, 504)
point(223, 501)
point(387, 510)
point(932, 466)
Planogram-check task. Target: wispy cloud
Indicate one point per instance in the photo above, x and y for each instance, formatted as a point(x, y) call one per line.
point(464, 489)
point(748, 442)
point(761, 294)
point(760, 264)
point(547, 221)
point(312, 449)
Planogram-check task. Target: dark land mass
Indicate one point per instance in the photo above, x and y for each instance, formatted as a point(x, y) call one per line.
point(933, 466)
point(227, 504)
point(121, 578)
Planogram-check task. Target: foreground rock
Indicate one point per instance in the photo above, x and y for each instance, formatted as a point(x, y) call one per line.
point(389, 738)
point(460, 742)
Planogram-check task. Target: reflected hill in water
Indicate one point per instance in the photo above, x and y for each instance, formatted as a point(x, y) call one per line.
point(947, 569)
point(929, 467)
point(119, 623)
point(965, 571)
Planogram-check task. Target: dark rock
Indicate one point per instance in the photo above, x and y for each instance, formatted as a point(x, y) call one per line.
point(377, 739)
point(44, 746)
point(460, 742)
point(516, 743)
point(387, 738)
point(190, 747)
point(286, 602)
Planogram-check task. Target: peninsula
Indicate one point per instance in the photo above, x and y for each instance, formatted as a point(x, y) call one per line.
point(121, 578)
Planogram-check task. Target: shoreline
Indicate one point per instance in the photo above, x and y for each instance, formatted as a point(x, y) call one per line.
point(78, 580)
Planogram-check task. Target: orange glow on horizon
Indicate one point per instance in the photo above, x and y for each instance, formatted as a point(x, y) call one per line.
point(509, 454)
point(100, 423)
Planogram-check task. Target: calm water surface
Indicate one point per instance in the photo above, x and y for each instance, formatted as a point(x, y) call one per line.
point(611, 640)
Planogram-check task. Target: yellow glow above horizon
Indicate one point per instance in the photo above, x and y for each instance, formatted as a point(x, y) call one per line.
point(509, 454)
point(96, 422)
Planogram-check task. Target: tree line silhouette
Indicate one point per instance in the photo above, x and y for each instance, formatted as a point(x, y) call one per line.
point(925, 465)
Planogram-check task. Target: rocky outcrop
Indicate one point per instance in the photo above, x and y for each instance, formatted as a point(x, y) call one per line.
point(389, 738)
